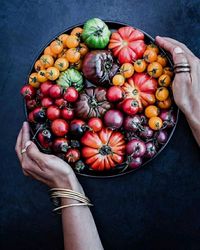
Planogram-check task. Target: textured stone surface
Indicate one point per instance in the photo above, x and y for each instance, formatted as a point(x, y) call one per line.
point(154, 208)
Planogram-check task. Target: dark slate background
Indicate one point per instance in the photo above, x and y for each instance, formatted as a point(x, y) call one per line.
point(157, 207)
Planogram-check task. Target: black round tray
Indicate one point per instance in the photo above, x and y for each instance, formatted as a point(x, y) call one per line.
point(117, 171)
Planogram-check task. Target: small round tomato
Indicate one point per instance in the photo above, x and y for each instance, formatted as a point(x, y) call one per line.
point(39, 114)
point(48, 51)
point(63, 39)
point(55, 91)
point(31, 104)
point(73, 55)
point(162, 59)
point(38, 65)
point(44, 88)
point(42, 75)
point(46, 102)
point(155, 123)
point(162, 94)
point(165, 104)
point(155, 69)
point(164, 80)
point(77, 65)
point(45, 138)
point(83, 49)
point(151, 111)
point(130, 106)
point(60, 145)
point(60, 102)
point(31, 117)
point(77, 127)
point(61, 64)
point(71, 94)
point(28, 92)
point(63, 53)
point(140, 65)
point(153, 47)
point(118, 80)
point(59, 127)
point(72, 41)
point(150, 56)
point(56, 46)
point(72, 155)
point(67, 113)
point(168, 71)
point(33, 80)
point(47, 61)
point(127, 70)
point(52, 73)
point(95, 124)
point(53, 112)
point(114, 94)
point(77, 31)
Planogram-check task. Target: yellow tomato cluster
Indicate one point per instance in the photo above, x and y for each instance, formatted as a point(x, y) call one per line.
point(65, 51)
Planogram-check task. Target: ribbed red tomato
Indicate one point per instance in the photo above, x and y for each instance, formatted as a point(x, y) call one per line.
point(142, 88)
point(103, 150)
point(127, 44)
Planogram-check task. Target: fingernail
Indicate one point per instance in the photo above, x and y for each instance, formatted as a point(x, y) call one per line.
point(178, 50)
point(27, 144)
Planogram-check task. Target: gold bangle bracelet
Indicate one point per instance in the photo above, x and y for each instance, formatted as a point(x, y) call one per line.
point(70, 205)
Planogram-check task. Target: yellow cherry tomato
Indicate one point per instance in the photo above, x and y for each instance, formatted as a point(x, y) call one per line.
point(56, 46)
point(33, 80)
point(38, 65)
point(46, 61)
point(83, 49)
point(150, 56)
point(164, 80)
point(168, 71)
point(127, 70)
point(155, 69)
point(52, 73)
point(63, 39)
point(73, 55)
point(61, 64)
point(155, 123)
point(77, 31)
point(72, 41)
point(140, 65)
point(165, 104)
point(48, 51)
point(153, 47)
point(162, 94)
point(151, 111)
point(118, 80)
point(42, 76)
point(162, 60)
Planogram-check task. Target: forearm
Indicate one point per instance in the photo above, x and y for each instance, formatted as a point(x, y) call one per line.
point(79, 229)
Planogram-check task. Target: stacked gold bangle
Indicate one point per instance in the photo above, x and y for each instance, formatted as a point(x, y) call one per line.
point(57, 193)
point(181, 68)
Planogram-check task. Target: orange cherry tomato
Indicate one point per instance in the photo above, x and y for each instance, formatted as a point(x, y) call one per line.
point(153, 47)
point(162, 59)
point(38, 65)
point(48, 51)
point(52, 73)
point(150, 56)
point(83, 49)
point(73, 55)
point(127, 70)
point(162, 94)
point(165, 104)
point(77, 65)
point(46, 61)
point(164, 80)
point(140, 65)
point(151, 111)
point(155, 123)
point(33, 80)
point(56, 46)
point(168, 71)
point(118, 80)
point(72, 41)
point(155, 69)
point(77, 31)
point(63, 39)
point(61, 64)
point(63, 53)
point(42, 76)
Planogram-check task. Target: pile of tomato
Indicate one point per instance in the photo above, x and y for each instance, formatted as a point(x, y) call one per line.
point(101, 101)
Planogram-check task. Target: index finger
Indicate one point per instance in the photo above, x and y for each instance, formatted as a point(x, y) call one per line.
point(34, 153)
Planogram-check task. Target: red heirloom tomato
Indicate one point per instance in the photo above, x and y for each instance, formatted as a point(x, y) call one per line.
point(130, 106)
point(127, 44)
point(114, 94)
point(71, 94)
point(53, 112)
point(44, 87)
point(103, 150)
point(59, 127)
point(28, 92)
point(72, 155)
point(142, 88)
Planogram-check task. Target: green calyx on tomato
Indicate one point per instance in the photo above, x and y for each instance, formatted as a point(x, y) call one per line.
point(71, 77)
point(96, 34)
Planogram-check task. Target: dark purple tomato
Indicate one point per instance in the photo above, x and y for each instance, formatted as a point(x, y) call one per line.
point(150, 150)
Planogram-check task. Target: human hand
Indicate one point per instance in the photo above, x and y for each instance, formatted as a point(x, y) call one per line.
point(185, 87)
point(48, 169)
